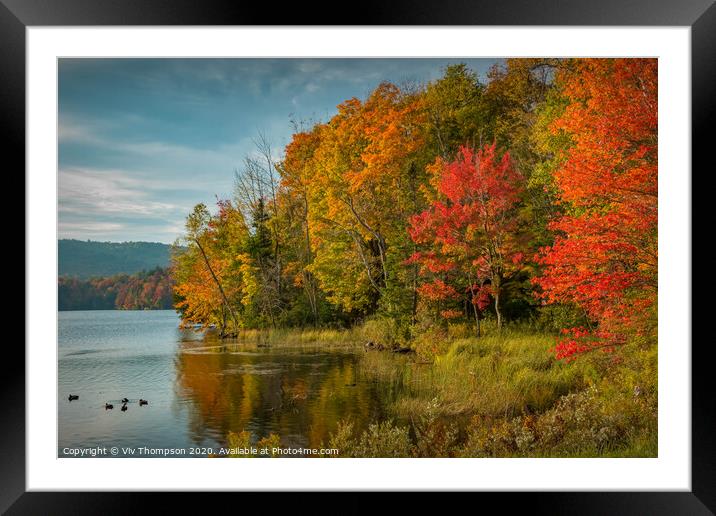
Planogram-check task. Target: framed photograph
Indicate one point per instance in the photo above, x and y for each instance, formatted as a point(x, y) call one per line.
point(448, 250)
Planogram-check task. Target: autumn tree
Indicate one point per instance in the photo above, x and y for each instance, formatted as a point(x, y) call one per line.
point(604, 258)
point(296, 171)
point(209, 283)
point(455, 113)
point(358, 207)
point(256, 196)
point(469, 233)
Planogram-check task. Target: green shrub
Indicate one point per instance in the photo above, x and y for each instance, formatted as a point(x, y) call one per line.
point(269, 442)
point(382, 331)
point(431, 342)
point(616, 418)
point(239, 440)
point(379, 440)
point(242, 440)
point(434, 436)
point(553, 318)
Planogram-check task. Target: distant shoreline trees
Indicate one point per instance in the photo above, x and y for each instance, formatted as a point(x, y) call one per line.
point(147, 290)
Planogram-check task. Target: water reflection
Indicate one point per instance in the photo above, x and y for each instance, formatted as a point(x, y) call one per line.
point(299, 394)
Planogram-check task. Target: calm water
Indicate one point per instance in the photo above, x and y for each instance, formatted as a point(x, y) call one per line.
point(199, 391)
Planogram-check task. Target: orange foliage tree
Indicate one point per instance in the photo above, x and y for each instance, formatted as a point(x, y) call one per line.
point(604, 257)
point(210, 280)
point(359, 171)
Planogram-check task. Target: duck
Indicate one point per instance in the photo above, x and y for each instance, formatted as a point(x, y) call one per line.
point(108, 406)
point(73, 397)
point(143, 402)
point(125, 400)
point(124, 407)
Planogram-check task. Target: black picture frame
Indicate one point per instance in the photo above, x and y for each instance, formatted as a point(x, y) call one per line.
point(17, 15)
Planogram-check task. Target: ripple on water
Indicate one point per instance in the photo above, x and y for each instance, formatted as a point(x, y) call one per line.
point(85, 352)
point(252, 369)
point(215, 350)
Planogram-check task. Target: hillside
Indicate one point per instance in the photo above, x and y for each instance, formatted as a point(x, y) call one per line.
point(87, 259)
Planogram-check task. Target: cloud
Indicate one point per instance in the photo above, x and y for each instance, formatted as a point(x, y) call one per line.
point(70, 129)
point(119, 232)
point(90, 227)
point(115, 205)
point(108, 192)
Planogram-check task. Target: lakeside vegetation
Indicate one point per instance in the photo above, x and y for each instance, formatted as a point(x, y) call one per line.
point(503, 231)
point(502, 395)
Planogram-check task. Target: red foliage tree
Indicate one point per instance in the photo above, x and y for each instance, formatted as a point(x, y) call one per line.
point(470, 230)
point(604, 258)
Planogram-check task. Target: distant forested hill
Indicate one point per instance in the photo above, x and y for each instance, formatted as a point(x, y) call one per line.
point(87, 259)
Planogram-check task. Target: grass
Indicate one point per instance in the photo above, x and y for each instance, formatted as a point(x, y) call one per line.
point(288, 337)
point(496, 375)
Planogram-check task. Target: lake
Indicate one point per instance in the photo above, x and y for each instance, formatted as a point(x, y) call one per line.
point(200, 389)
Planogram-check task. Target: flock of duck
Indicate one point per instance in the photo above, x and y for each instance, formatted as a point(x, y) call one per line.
point(109, 406)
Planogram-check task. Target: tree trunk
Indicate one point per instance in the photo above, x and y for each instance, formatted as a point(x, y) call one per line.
point(474, 308)
point(222, 330)
point(379, 239)
point(414, 307)
point(308, 277)
point(496, 287)
point(412, 173)
point(312, 301)
point(477, 320)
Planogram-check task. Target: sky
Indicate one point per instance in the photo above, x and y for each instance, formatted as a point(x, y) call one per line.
point(141, 141)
